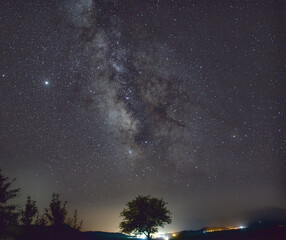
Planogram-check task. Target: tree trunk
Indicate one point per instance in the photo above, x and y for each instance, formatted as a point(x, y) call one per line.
point(149, 236)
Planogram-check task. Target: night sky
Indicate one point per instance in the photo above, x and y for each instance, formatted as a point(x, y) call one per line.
point(101, 101)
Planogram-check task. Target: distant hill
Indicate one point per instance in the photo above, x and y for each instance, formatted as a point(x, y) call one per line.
point(266, 214)
point(267, 230)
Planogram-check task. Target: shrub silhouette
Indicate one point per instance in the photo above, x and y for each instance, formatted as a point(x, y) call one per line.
point(41, 220)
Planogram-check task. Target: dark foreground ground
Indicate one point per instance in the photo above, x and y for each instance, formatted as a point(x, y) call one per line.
point(254, 232)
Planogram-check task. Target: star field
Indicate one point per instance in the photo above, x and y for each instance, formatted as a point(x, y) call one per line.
point(105, 100)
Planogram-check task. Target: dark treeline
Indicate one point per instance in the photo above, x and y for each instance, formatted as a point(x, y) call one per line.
point(56, 214)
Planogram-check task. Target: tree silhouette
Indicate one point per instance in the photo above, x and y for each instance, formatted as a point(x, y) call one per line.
point(73, 222)
point(8, 213)
point(29, 213)
point(144, 215)
point(41, 220)
point(57, 212)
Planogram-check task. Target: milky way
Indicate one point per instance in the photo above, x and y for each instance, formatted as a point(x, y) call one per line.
point(104, 100)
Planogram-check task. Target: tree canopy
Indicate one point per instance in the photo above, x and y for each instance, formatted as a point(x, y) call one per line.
point(30, 212)
point(144, 215)
point(74, 222)
point(56, 212)
point(8, 211)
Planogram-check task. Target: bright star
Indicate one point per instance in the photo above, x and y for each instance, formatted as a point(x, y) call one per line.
point(47, 82)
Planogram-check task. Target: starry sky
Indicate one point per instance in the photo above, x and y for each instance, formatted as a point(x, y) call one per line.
point(101, 101)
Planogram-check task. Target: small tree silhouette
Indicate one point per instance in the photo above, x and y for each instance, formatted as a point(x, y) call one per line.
point(144, 215)
point(41, 220)
point(29, 213)
point(57, 212)
point(73, 222)
point(8, 213)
